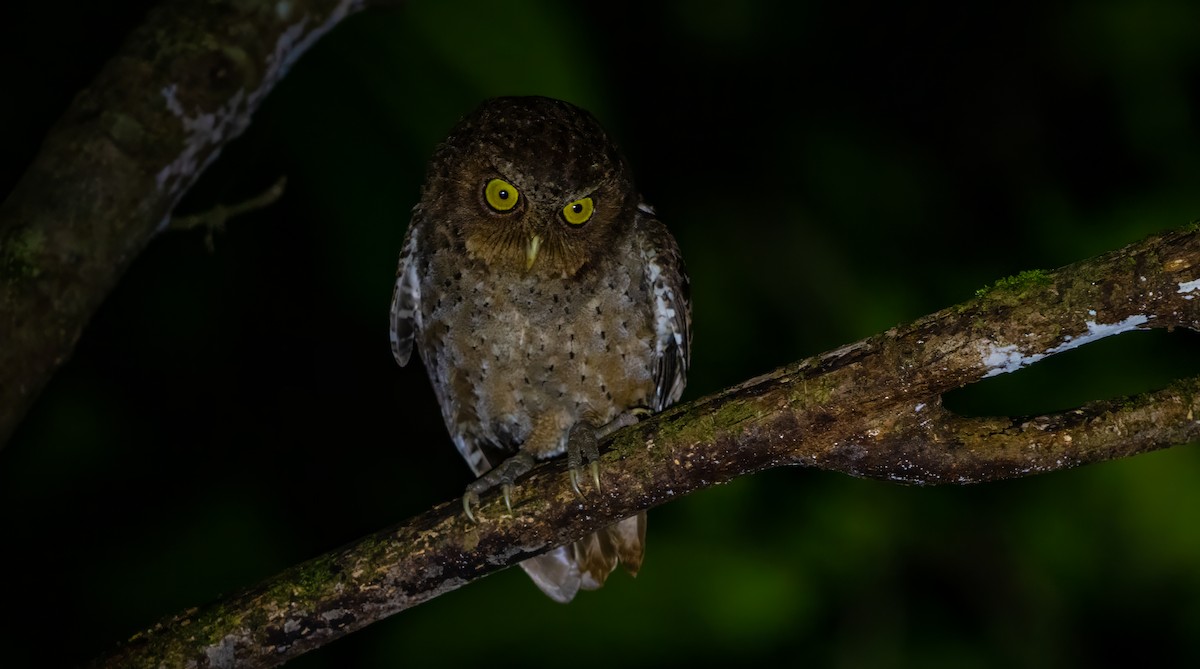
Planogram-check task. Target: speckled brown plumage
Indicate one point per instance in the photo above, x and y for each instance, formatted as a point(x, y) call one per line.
point(531, 325)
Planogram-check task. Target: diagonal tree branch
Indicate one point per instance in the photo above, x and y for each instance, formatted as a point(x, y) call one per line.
point(870, 409)
point(112, 169)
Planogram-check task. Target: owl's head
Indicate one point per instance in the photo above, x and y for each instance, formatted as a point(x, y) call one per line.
point(531, 184)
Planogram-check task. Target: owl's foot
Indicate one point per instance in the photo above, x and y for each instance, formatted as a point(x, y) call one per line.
point(584, 445)
point(502, 476)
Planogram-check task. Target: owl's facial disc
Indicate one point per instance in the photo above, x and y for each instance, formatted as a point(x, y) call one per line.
point(533, 224)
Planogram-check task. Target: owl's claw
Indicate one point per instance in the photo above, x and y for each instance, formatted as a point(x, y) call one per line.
point(594, 468)
point(584, 445)
point(506, 490)
point(470, 498)
point(502, 476)
point(573, 473)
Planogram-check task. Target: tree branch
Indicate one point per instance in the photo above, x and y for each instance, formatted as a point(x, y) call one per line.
point(871, 409)
point(113, 168)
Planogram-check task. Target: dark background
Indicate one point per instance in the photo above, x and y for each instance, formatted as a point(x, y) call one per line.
point(830, 169)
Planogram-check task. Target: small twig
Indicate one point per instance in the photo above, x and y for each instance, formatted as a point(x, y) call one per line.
point(214, 219)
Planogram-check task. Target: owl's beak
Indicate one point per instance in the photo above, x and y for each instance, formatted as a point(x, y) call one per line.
point(531, 251)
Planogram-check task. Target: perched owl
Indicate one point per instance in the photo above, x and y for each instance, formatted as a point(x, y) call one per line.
point(548, 304)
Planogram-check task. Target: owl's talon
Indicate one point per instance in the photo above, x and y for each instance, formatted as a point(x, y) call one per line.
point(469, 498)
point(506, 490)
point(501, 476)
point(581, 447)
point(573, 474)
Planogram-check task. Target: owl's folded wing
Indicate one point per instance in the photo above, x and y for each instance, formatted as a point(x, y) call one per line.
point(406, 298)
point(667, 282)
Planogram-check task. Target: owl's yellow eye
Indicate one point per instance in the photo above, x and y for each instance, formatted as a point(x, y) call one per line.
point(500, 195)
point(579, 211)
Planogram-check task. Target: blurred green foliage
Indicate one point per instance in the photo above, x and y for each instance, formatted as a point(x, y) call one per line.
point(830, 169)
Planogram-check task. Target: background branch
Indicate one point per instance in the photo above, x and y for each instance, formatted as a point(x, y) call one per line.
point(113, 168)
point(870, 409)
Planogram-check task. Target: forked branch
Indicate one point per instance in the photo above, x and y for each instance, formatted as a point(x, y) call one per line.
point(870, 409)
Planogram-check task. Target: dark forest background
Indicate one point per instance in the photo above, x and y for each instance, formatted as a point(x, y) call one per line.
point(830, 169)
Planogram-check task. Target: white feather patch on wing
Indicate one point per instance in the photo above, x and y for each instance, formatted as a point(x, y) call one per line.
point(670, 329)
point(406, 301)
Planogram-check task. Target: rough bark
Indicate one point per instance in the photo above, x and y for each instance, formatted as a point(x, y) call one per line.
point(113, 167)
point(871, 409)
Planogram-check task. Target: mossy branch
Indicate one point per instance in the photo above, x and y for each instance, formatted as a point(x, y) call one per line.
point(112, 169)
point(871, 409)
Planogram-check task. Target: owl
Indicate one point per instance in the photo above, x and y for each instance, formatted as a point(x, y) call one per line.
point(548, 304)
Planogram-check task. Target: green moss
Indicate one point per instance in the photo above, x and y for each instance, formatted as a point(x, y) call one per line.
point(822, 390)
point(733, 413)
point(307, 582)
point(687, 426)
point(696, 425)
point(1018, 284)
point(20, 258)
point(807, 392)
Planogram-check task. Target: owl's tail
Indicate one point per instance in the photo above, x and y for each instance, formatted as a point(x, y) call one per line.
point(588, 562)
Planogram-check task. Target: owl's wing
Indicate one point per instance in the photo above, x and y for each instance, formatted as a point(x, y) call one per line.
point(406, 297)
point(667, 281)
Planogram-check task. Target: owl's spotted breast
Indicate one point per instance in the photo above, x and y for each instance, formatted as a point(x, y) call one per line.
point(513, 346)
